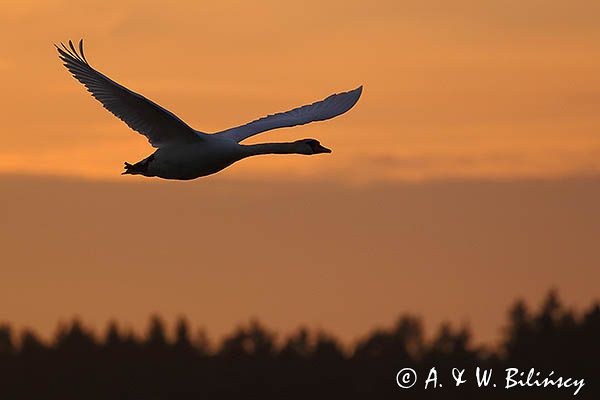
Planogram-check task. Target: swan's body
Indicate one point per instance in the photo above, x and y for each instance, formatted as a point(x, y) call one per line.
point(184, 153)
point(193, 160)
point(190, 161)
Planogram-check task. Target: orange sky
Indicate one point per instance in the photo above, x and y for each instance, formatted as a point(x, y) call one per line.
point(494, 92)
point(461, 88)
point(347, 259)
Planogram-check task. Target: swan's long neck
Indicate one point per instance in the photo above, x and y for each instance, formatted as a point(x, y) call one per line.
point(270, 148)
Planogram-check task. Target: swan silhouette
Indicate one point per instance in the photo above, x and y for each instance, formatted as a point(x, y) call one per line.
point(182, 152)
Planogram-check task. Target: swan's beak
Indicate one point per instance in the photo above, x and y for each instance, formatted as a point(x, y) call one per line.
point(321, 149)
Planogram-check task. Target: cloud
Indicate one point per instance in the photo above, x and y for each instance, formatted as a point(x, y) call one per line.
point(344, 257)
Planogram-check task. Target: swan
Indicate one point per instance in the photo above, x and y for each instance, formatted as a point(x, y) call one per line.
point(184, 153)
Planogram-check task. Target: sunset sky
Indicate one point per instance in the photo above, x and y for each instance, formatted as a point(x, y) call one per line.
point(461, 88)
point(465, 176)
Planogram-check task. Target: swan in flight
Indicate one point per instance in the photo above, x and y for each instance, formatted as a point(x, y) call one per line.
point(182, 152)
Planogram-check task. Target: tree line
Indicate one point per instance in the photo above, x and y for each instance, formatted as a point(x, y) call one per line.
point(251, 363)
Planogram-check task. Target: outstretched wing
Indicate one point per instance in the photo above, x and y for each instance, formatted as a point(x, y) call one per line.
point(332, 106)
point(160, 126)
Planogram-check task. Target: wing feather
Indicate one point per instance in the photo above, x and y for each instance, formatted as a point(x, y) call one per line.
point(159, 125)
point(330, 107)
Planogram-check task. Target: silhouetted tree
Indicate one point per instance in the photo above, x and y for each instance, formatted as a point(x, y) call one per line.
point(182, 336)
point(6, 341)
point(202, 343)
point(297, 346)
point(156, 337)
point(112, 338)
point(253, 341)
point(30, 343)
point(519, 332)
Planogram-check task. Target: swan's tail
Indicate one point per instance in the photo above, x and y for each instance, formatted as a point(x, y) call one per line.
point(137, 168)
point(130, 169)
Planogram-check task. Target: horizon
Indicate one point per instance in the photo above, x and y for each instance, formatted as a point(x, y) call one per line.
point(212, 345)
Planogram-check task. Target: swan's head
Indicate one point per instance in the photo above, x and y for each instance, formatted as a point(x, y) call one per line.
point(311, 146)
